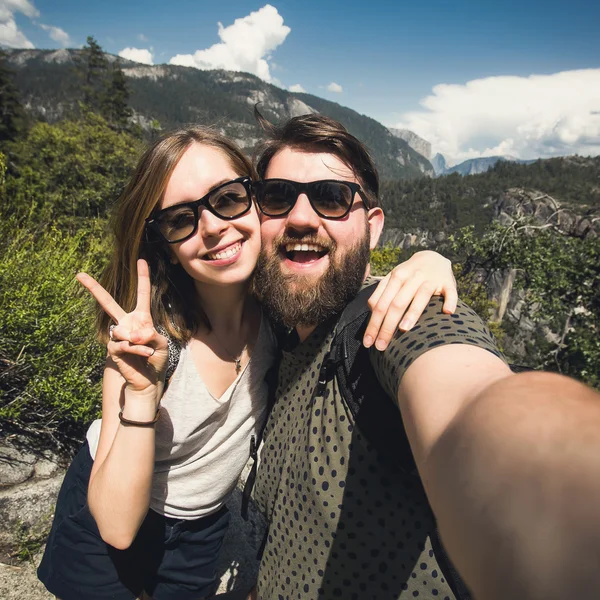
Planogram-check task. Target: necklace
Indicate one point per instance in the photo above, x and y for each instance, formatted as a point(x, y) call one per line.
point(237, 360)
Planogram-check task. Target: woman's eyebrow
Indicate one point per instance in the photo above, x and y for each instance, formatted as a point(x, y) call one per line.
point(210, 189)
point(219, 183)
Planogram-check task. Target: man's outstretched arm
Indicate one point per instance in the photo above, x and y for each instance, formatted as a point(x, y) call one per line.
point(511, 466)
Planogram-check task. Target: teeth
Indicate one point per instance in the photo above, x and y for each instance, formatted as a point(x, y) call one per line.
point(229, 252)
point(303, 248)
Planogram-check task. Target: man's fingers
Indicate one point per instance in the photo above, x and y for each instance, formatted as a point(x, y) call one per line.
point(104, 299)
point(417, 306)
point(379, 303)
point(144, 287)
point(374, 298)
point(450, 299)
point(395, 313)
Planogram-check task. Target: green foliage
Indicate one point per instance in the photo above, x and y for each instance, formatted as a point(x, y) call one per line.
point(115, 107)
point(12, 115)
point(559, 276)
point(50, 365)
point(384, 259)
point(29, 540)
point(451, 202)
point(69, 171)
point(95, 75)
point(471, 291)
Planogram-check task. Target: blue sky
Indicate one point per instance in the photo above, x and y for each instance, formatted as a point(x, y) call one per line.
point(474, 78)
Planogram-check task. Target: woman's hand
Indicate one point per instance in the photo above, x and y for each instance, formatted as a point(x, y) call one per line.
point(410, 284)
point(136, 348)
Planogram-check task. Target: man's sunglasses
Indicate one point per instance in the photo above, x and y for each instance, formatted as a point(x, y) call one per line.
point(330, 199)
point(179, 222)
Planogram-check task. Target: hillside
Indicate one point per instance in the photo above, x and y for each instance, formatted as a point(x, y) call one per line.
point(50, 84)
point(452, 201)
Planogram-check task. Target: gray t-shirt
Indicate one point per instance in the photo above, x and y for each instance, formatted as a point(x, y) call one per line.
point(203, 442)
point(341, 524)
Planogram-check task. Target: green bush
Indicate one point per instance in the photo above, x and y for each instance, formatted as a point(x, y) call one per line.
point(69, 172)
point(50, 363)
point(559, 276)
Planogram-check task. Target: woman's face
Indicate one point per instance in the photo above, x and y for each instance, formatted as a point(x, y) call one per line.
point(221, 252)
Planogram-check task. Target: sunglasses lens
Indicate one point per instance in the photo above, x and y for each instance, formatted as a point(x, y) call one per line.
point(230, 201)
point(331, 198)
point(177, 223)
point(276, 197)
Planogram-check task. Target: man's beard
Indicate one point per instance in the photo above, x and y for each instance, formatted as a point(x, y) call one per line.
point(296, 300)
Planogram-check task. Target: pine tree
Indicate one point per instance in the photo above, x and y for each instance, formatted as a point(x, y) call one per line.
point(116, 109)
point(96, 72)
point(12, 115)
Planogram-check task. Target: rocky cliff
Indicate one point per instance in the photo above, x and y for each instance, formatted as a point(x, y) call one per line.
point(413, 140)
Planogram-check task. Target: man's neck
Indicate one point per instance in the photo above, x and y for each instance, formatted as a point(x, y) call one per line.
point(304, 331)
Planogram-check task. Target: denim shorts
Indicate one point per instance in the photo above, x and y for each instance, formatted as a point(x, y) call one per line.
point(170, 559)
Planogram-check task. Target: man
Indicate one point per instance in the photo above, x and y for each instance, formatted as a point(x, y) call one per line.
point(509, 463)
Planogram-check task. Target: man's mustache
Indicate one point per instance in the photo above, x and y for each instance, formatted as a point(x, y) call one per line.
point(290, 238)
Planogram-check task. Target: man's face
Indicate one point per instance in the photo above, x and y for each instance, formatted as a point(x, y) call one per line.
point(311, 266)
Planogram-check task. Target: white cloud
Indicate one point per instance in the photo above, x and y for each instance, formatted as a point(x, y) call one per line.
point(9, 7)
point(335, 87)
point(10, 34)
point(57, 34)
point(297, 88)
point(142, 37)
point(141, 55)
point(246, 45)
point(524, 117)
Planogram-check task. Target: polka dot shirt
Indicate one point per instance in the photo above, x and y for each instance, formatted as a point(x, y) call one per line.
point(341, 523)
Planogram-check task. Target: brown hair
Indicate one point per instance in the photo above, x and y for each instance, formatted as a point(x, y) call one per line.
point(318, 133)
point(173, 292)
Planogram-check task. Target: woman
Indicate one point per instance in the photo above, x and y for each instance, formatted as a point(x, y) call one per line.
point(142, 508)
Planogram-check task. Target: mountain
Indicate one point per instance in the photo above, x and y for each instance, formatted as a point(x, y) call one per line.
point(473, 166)
point(439, 164)
point(51, 86)
point(413, 140)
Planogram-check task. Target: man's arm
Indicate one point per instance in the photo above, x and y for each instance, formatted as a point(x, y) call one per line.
point(511, 466)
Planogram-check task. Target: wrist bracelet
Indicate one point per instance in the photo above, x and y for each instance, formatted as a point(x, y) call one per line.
point(139, 423)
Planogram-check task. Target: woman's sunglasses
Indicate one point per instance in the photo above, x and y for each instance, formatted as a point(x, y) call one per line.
point(330, 199)
point(179, 222)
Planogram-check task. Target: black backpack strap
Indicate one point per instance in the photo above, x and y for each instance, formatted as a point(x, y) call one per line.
point(375, 414)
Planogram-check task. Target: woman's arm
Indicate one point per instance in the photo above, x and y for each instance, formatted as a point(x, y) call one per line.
point(121, 478)
point(403, 294)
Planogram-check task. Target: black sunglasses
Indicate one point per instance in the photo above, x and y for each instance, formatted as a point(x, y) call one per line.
point(330, 199)
point(228, 201)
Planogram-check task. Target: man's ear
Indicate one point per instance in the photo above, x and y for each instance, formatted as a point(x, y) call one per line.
point(375, 218)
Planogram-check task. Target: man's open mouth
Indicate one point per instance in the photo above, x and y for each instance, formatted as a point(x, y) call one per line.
point(304, 253)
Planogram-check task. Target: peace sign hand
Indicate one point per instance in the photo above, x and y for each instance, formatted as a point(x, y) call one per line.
point(137, 349)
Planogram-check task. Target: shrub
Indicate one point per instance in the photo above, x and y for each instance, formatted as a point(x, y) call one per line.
point(50, 363)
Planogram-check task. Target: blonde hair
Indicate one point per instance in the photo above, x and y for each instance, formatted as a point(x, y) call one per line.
point(173, 292)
